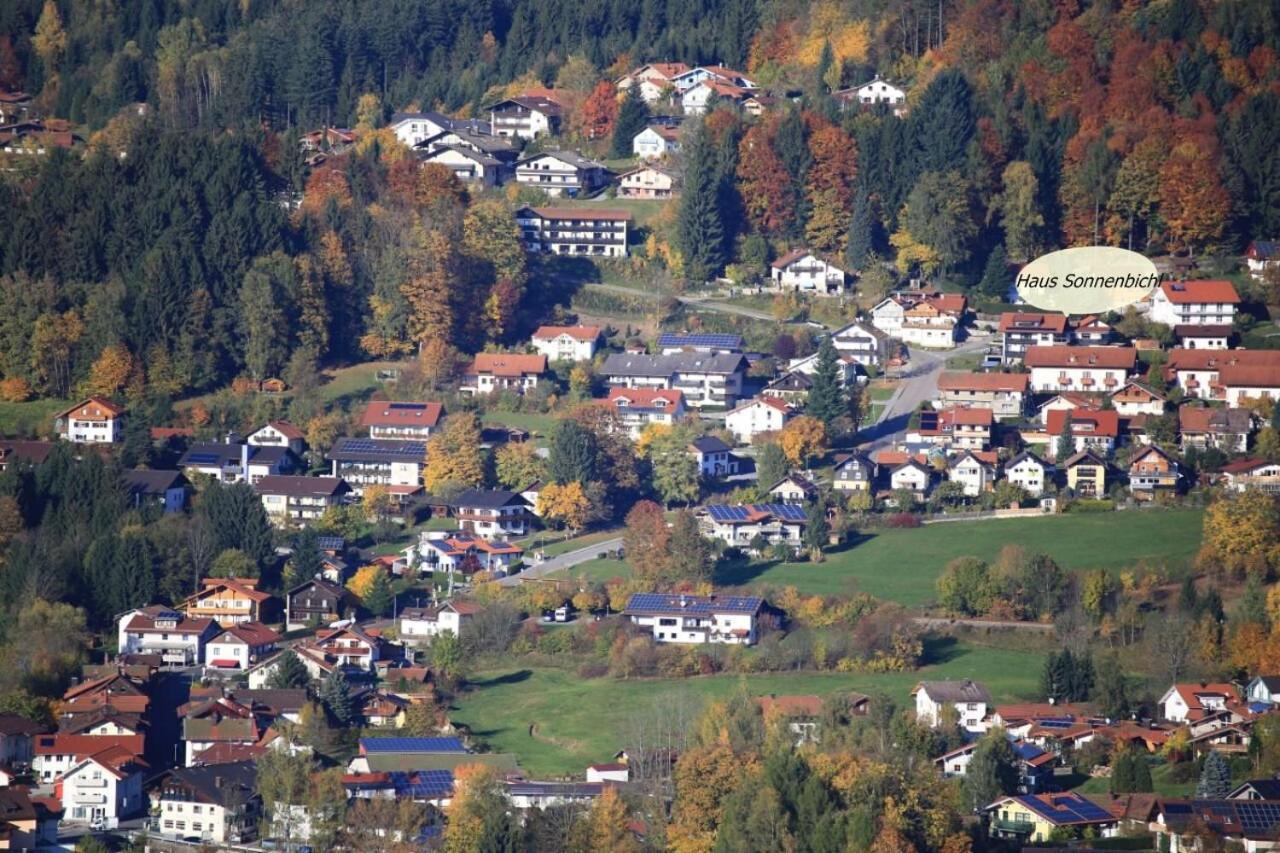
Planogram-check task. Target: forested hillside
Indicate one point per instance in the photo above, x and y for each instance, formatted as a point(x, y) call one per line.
point(190, 245)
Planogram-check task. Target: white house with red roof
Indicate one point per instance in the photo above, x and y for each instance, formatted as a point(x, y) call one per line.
point(656, 80)
point(928, 319)
point(1245, 474)
point(655, 142)
point(460, 550)
point(567, 343)
point(1136, 398)
point(1194, 303)
point(639, 407)
point(95, 420)
point(279, 434)
point(1097, 430)
point(424, 623)
point(401, 420)
point(175, 636)
point(1022, 329)
point(501, 371)
point(55, 754)
point(1093, 369)
point(1005, 394)
point(240, 646)
point(961, 427)
point(761, 415)
point(1185, 703)
point(351, 647)
point(975, 470)
point(803, 271)
point(103, 786)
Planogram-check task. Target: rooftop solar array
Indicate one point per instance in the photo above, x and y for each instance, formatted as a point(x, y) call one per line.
point(422, 784)
point(726, 513)
point(409, 407)
point(203, 458)
point(331, 543)
point(696, 605)
point(1066, 809)
point(712, 340)
point(382, 449)
point(1259, 817)
point(371, 745)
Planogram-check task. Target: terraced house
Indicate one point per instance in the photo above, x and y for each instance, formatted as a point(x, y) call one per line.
point(574, 231)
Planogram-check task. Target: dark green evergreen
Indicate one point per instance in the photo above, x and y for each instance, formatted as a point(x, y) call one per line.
point(826, 400)
point(860, 229)
point(701, 231)
point(573, 454)
point(995, 275)
point(633, 115)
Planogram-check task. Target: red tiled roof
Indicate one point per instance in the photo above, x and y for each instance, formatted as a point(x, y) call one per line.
point(86, 745)
point(246, 587)
point(401, 413)
point(1062, 356)
point(1249, 376)
point(94, 407)
point(1014, 382)
point(287, 429)
point(1104, 423)
point(574, 213)
point(645, 397)
point(791, 706)
point(1189, 292)
point(1018, 321)
point(252, 633)
point(578, 333)
point(507, 364)
point(967, 416)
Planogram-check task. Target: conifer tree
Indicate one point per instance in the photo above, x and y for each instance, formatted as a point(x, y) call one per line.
point(335, 695)
point(290, 672)
point(1215, 777)
point(700, 226)
point(826, 393)
point(633, 115)
point(992, 771)
point(859, 248)
point(995, 275)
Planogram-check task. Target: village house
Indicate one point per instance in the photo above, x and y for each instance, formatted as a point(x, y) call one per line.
point(1136, 398)
point(1029, 473)
point(922, 319)
point(17, 735)
point(491, 513)
point(1225, 375)
point(710, 343)
point(648, 182)
point(969, 699)
point(18, 451)
point(1059, 368)
point(217, 804)
point(103, 786)
point(501, 371)
point(863, 343)
point(279, 434)
point(159, 630)
point(1151, 470)
point(706, 380)
point(1186, 703)
point(803, 271)
point(1245, 474)
point(1005, 394)
point(461, 551)
point(912, 475)
point(874, 92)
point(351, 647)
point(679, 618)
point(793, 489)
point(1227, 429)
point(1263, 688)
point(1033, 818)
point(207, 723)
point(55, 754)
point(970, 428)
point(801, 714)
point(695, 99)
point(656, 80)
point(1086, 474)
point(165, 489)
point(1261, 256)
point(1242, 384)
point(688, 79)
point(975, 470)
point(791, 387)
point(574, 231)
point(381, 709)
point(235, 461)
point(92, 421)
point(1068, 401)
point(296, 500)
point(1217, 337)
point(230, 601)
point(401, 420)
point(740, 526)
point(558, 173)
point(854, 473)
point(847, 368)
point(240, 646)
point(472, 136)
point(567, 343)
point(425, 623)
point(1194, 303)
point(414, 128)
point(1096, 430)
point(317, 602)
point(655, 142)
point(468, 165)
point(1020, 330)
point(27, 822)
point(393, 464)
point(524, 117)
point(758, 416)
point(638, 407)
point(1090, 330)
point(713, 457)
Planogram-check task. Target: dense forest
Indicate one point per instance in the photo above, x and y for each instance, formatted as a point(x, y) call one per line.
point(189, 244)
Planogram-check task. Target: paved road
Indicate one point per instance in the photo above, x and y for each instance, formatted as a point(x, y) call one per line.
point(564, 561)
point(919, 384)
point(940, 622)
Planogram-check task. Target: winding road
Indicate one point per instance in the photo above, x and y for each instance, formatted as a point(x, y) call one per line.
point(567, 560)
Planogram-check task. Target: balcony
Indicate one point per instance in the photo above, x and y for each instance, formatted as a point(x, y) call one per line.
point(1013, 827)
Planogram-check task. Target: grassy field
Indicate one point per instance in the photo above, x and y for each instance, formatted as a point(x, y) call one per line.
point(901, 565)
point(34, 418)
point(1160, 781)
point(643, 211)
point(533, 421)
point(557, 545)
point(595, 571)
point(578, 721)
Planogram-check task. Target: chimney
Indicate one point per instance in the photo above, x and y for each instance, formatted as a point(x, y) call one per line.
point(217, 781)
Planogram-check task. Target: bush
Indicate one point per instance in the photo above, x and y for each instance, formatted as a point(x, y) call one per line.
point(903, 520)
point(15, 389)
point(1184, 771)
point(1091, 505)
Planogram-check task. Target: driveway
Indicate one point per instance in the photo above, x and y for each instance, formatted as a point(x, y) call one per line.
point(566, 560)
point(918, 384)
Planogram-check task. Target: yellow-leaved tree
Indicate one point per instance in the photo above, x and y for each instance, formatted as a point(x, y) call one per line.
point(1242, 533)
point(362, 581)
point(564, 505)
point(803, 438)
point(454, 455)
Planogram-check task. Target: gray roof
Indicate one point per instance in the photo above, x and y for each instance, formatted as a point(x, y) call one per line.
point(357, 449)
point(487, 499)
point(628, 364)
point(1024, 456)
point(470, 154)
point(955, 691)
point(573, 158)
point(152, 482)
point(709, 444)
point(222, 784)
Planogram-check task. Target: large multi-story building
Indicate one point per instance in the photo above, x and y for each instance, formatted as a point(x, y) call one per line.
point(1100, 369)
point(1005, 394)
point(298, 500)
point(574, 231)
point(706, 380)
point(527, 117)
point(1020, 330)
point(492, 513)
point(164, 631)
point(558, 173)
point(364, 462)
point(1194, 303)
point(681, 618)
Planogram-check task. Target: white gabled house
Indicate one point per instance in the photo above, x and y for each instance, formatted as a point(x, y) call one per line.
point(971, 701)
point(92, 421)
point(561, 173)
point(863, 343)
point(1194, 303)
point(975, 470)
point(567, 343)
point(1184, 703)
point(656, 142)
point(656, 80)
point(422, 624)
point(761, 415)
point(1029, 473)
point(914, 476)
point(105, 786)
point(648, 182)
point(740, 525)
point(805, 272)
point(638, 407)
point(679, 618)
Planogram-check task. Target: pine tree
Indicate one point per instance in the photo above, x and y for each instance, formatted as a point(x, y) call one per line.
point(826, 393)
point(289, 672)
point(1215, 777)
point(1253, 604)
point(1056, 677)
point(771, 465)
point(306, 561)
point(700, 225)
point(816, 528)
point(1142, 782)
point(860, 225)
point(995, 275)
point(1122, 773)
point(1081, 678)
point(574, 454)
point(1188, 598)
point(335, 695)
point(1066, 442)
point(633, 115)
point(378, 599)
point(1111, 688)
point(992, 771)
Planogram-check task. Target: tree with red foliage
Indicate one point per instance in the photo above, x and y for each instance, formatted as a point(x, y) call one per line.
point(596, 115)
point(764, 183)
point(1193, 203)
point(829, 188)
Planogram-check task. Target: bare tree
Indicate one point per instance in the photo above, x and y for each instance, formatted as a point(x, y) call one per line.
point(201, 544)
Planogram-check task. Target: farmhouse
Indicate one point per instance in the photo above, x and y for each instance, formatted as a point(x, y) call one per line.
point(567, 343)
point(971, 701)
point(876, 91)
point(92, 421)
point(1194, 303)
point(696, 618)
point(805, 272)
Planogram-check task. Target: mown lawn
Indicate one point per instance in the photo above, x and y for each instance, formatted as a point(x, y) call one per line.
point(557, 545)
point(580, 721)
point(1161, 781)
point(535, 422)
point(595, 571)
point(902, 565)
point(33, 418)
point(643, 211)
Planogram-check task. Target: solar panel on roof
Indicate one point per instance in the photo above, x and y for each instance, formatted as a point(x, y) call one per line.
point(202, 458)
point(411, 744)
point(708, 339)
point(406, 406)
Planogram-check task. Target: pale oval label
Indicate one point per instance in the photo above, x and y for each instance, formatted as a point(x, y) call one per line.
point(1087, 280)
